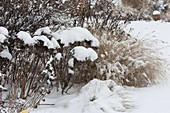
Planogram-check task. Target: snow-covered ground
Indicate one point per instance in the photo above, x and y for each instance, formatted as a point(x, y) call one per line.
point(154, 99)
point(155, 30)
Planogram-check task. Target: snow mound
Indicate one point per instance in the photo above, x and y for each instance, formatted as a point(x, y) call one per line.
point(98, 97)
point(45, 40)
point(82, 54)
point(55, 43)
point(3, 31)
point(5, 54)
point(95, 97)
point(58, 56)
point(71, 62)
point(76, 34)
point(2, 38)
point(156, 13)
point(43, 30)
point(26, 37)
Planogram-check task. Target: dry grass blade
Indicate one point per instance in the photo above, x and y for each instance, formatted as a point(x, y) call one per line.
point(131, 62)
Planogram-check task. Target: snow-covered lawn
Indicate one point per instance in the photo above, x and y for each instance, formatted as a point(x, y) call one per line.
point(153, 99)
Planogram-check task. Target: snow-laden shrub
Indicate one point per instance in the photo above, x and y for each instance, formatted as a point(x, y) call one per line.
point(74, 62)
point(32, 65)
point(23, 60)
point(132, 62)
point(101, 97)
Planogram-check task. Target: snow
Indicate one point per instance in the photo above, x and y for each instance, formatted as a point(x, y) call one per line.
point(71, 62)
point(5, 54)
point(2, 88)
point(55, 43)
point(136, 63)
point(98, 96)
point(153, 99)
point(42, 31)
point(45, 40)
point(95, 97)
point(58, 56)
point(3, 31)
point(139, 63)
point(70, 71)
point(63, 1)
point(157, 31)
point(156, 13)
point(26, 37)
point(117, 2)
point(154, 29)
point(83, 54)
point(2, 38)
point(76, 34)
